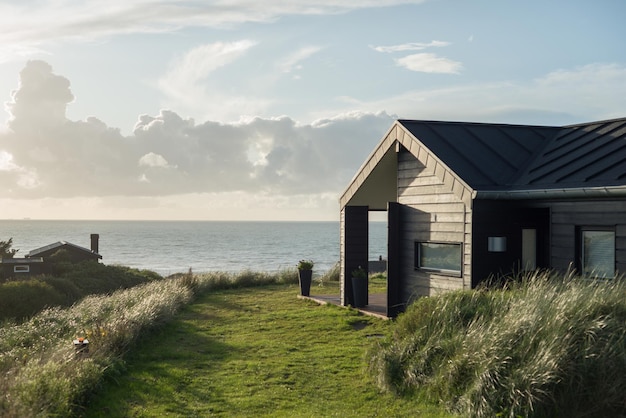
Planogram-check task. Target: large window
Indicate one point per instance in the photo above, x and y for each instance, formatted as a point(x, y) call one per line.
point(598, 252)
point(441, 257)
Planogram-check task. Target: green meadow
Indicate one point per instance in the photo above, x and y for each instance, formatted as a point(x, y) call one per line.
point(244, 345)
point(255, 352)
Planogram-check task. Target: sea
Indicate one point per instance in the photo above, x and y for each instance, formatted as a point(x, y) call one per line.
point(169, 247)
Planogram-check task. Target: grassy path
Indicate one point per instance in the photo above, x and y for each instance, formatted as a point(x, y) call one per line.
point(254, 352)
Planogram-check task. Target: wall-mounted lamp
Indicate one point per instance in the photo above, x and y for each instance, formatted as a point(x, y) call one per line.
point(496, 244)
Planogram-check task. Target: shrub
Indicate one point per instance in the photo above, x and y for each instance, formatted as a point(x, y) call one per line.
point(22, 298)
point(544, 346)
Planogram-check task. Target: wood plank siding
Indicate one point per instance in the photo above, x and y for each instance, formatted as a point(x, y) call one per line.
point(567, 216)
point(432, 211)
point(558, 222)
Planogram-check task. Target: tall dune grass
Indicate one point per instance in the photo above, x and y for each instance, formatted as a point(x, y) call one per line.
point(546, 346)
point(41, 373)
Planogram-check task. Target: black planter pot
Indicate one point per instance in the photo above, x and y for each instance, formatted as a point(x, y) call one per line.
point(359, 291)
point(305, 281)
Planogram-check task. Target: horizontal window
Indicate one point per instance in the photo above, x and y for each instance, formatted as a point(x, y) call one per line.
point(598, 253)
point(441, 257)
point(21, 269)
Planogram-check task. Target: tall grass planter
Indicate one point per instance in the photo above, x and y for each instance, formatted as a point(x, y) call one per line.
point(547, 345)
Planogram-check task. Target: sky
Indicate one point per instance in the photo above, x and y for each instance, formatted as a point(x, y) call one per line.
point(249, 110)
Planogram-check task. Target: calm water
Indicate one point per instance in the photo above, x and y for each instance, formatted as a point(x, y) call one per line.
point(174, 246)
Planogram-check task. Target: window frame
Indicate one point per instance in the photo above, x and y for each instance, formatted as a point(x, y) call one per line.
point(21, 268)
point(445, 272)
point(580, 247)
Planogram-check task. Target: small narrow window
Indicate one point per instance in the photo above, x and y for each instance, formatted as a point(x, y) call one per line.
point(441, 257)
point(598, 253)
point(21, 268)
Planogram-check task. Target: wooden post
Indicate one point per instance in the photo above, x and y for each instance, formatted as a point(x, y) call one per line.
point(355, 236)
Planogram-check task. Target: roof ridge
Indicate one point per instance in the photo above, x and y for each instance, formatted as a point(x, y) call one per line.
point(459, 122)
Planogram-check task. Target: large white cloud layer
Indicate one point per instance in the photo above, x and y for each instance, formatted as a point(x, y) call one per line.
point(43, 154)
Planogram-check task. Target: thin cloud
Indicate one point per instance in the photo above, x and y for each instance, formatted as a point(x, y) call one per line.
point(292, 62)
point(429, 63)
point(187, 86)
point(26, 27)
point(195, 65)
point(591, 92)
point(411, 46)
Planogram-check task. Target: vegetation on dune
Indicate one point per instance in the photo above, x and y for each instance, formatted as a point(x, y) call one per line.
point(255, 352)
point(41, 373)
point(545, 346)
point(22, 298)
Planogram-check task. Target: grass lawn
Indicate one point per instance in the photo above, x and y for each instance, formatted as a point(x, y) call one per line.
point(255, 352)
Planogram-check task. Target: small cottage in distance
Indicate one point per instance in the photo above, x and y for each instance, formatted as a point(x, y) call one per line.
point(38, 260)
point(469, 201)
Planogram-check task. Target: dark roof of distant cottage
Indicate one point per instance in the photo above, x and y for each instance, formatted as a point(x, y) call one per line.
point(59, 245)
point(496, 157)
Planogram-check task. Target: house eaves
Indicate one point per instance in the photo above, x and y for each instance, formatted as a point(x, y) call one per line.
point(582, 192)
point(31, 260)
point(375, 183)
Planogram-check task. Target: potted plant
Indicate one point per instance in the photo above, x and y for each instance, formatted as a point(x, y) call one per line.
point(359, 287)
point(305, 274)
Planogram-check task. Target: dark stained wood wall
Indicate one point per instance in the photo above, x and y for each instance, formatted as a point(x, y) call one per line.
point(558, 239)
point(498, 218)
point(567, 215)
point(354, 246)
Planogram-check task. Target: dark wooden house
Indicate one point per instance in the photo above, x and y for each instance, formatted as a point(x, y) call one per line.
point(73, 253)
point(16, 267)
point(470, 201)
point(39, 261)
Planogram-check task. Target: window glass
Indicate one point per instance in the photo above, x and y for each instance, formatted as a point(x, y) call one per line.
point(439, 257)
point(598, 253)
point(21, 269)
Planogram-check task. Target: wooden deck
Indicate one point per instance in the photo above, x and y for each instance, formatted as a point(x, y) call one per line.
point(377, 303)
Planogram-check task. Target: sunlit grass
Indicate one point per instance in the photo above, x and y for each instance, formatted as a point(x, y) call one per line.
point(41, 373)
point(248, 345)
point(255, 352)
point(546, 346)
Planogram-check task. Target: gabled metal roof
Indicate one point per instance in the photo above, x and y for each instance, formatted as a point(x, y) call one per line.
point(510, 161)
point(486, 156)
point(589, 158)
point(59, 245)
point(587, 155)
